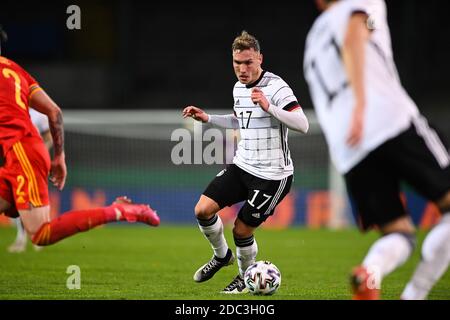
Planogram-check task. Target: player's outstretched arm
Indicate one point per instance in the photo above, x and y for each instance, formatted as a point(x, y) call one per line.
point(225, 121)
point(44, 104)
point(195, 113)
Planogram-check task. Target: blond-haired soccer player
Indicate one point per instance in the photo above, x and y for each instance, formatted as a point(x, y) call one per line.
point(261, 173)
point(377, 138)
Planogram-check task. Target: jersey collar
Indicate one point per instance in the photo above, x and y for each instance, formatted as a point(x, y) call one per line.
point(251, 85)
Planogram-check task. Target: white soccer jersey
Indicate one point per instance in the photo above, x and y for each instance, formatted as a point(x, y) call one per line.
point(39, 120)
point(389, 109)
point(263, 148)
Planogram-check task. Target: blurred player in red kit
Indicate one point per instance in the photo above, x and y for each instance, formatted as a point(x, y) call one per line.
point(25, 164)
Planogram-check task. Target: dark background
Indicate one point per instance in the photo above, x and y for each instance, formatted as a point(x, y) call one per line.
point(165, 55)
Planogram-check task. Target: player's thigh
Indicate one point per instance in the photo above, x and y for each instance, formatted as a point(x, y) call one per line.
point(27, 169)
point(34, 218)
point(262, 198)
point(227, 187)
point(423, 160)
point(374, 190)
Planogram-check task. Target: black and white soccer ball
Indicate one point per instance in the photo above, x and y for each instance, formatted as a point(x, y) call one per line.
point(262, 278)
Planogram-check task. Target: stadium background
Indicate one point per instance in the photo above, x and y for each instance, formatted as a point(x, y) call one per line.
point(123, 79)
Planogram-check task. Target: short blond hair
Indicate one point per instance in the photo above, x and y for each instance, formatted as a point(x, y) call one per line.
point(245, 41)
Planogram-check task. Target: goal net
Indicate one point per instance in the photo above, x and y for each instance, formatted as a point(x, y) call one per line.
point(111, 153)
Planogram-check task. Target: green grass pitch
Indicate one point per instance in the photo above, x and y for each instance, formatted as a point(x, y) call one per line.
point(138, 262)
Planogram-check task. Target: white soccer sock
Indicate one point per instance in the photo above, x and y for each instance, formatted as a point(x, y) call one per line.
point(21, 234)
point(434, 262)
point(213, 231)
point(386, 254)
point(246, 251)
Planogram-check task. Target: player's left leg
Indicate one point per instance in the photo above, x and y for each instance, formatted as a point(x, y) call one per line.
point(263, 197)
point(44, 231)
point(246, 251)
point(378, 204)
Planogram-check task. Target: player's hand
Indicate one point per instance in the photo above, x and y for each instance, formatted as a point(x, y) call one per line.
point(58, 171)
point(356, 126)
point(258, 97)
point(195, 113)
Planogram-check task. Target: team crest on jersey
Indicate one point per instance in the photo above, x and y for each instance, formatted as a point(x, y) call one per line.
point(371, 25)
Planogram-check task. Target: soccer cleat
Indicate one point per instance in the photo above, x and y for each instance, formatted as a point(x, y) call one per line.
point(361, 286)
point(208, 270)
point(237, 286)
point(125, 208)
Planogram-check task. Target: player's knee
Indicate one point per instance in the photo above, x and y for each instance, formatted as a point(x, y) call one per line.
point(444, 203)
point(203, 211)
point(241, 231)
point(402, 225)
point(206, 208)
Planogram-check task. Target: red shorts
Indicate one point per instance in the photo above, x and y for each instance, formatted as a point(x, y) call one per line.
point(24, 175)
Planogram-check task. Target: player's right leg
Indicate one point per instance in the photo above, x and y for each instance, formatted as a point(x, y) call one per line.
point(435, 256)
point(426, 166)
point(385, 255)
point(262, 198)
point(211, 226)
point(435, 259)
point(374, 189)
point(223, 191)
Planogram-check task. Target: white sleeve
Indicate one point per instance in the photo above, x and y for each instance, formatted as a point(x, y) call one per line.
point(40, 120)
point(283, 94)
point(295, 120)
point(224, 121)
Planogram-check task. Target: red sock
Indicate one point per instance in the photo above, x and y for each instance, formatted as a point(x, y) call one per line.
point(71, 223)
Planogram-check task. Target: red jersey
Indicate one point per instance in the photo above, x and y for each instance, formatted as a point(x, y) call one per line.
point(16, 86)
